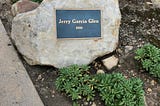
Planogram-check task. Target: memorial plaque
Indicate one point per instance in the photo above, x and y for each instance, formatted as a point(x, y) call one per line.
point(78, 23)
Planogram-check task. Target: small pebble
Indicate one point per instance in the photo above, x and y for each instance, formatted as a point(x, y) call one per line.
point(39, 77)
point(133, 75)
point(153, 82)
point(93, 104)
point(85, 103)
point(119, 65)
point(53, 92)
point(42, 79)
point(125, 76)
point(53, 96)
point(100, 72)
point(133, 21)
point(128, 48)
point(149, 90)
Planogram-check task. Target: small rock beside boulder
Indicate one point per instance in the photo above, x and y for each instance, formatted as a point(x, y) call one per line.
point(128, 48)
point(110, 62)
point(23, 6)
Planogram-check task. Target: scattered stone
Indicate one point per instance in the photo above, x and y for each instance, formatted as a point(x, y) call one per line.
point(132, 71)
point(119, 65)
point(153, 82)
point(85, 103)
point(39, 77)
point(42, 79)
point(133, 74)
point(53, 96)
point(22, 6)
point(90, 103)
point(125, 76)
point(37, 41)
point(100, 72)
point(149, 3)
point(128, 48)
point(96, 64)
point(149, 90)
point(119, 51)
point(110, 62)
point(93, 104)
point(148, 32)
point(133, 21)
point(53, 92)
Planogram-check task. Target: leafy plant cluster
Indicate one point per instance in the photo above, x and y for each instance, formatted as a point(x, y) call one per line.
point(76, 82)
point(149, 56)
point(113, 89)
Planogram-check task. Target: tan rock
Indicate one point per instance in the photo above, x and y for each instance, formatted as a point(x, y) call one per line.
point(23, 6)
point(128, 48)
point(149, 90)
point(153, 82)
point(100, 72)
point(110, 62)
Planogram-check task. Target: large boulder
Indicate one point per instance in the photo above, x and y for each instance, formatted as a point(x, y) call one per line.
point(34, 34)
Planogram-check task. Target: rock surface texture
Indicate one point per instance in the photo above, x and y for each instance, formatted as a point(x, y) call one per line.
point(35, 37)
point(23, 6)
point(156, 3)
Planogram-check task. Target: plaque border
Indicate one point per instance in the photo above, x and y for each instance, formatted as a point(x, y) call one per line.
point(89, 38)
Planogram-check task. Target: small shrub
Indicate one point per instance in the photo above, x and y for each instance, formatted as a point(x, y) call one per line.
point(114, 89)
point(149, 56)
point(76, 82)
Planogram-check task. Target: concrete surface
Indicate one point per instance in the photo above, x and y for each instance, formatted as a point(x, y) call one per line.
point(16, 88)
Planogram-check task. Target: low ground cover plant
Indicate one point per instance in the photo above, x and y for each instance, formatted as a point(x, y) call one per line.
point(149, 56)
point(76, 82)
point(114, 89)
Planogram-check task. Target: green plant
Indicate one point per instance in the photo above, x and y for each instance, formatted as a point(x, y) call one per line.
point(76, 82)
point(149, 56)
point(115, 90)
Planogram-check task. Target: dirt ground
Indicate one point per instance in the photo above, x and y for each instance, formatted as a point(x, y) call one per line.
point(140, 24)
